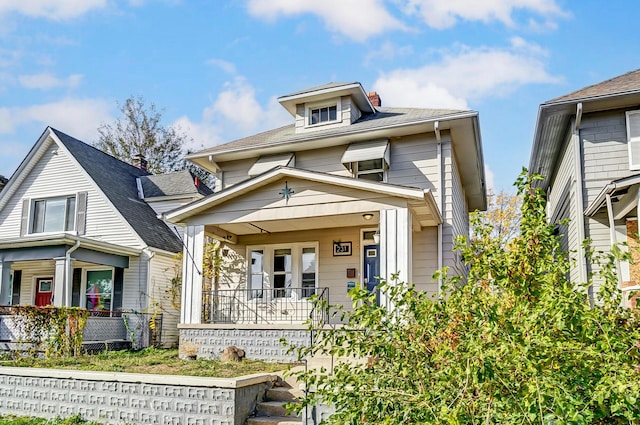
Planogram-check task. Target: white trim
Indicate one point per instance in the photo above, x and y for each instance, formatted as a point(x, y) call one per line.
point(247, 186)
point(308, 107)
point(633, 140)
point(296, 262)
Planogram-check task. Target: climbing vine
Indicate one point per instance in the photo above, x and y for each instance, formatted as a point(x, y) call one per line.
point(52, 331)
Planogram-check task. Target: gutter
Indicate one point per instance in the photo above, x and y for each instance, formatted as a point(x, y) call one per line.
point(578, 183)
point(436, 129)
point(67, 280)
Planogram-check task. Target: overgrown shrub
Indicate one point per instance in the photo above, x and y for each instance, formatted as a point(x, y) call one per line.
point(517, 344)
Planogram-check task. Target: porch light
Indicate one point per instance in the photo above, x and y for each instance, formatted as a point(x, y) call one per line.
point(367, 216)
point(376, 236)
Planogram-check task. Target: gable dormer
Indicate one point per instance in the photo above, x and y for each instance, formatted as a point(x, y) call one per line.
point(327, 106)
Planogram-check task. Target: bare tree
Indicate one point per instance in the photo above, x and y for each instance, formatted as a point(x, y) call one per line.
point(139, 131)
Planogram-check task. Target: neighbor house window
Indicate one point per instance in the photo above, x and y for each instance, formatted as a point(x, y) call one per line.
point(53, 215)
point(99, 292)
point(283, 271)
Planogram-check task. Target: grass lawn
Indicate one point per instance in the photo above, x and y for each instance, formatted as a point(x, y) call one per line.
point(19, 420)
point(149, 361)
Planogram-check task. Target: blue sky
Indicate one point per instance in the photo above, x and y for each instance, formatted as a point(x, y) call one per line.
point(215, 68)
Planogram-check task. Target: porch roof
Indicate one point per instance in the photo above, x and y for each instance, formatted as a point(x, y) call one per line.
point(68, 239)
point(421, 201)
point(624, 192)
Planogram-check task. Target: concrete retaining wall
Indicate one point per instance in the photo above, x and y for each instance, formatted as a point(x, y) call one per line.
point(260, 342)
point(118, 398)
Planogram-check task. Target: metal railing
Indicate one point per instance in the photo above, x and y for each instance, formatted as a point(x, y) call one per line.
point(263, 306)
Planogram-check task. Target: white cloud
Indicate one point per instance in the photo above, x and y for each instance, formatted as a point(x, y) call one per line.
point(357, 20)
point(489, 179)
point(50, 9)
point(46, 81)
point(77, 117)
point(441, 14)
point(224, 65)
point(466, 74)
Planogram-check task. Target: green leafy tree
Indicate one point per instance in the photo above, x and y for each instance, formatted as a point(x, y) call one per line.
point(140, 131)
point(518, 344)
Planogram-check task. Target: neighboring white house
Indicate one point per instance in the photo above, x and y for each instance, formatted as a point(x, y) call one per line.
point(587, 145)
point(79, 227)
point(348, 192)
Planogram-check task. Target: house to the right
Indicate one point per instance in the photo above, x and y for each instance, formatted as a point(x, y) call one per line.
point(587, 146)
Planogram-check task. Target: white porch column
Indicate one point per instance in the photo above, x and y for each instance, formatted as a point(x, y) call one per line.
point(60, 288)
point(5, 286)
point(395, 246)
point(193, 252)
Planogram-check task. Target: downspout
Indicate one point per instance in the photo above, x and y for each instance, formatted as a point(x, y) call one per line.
point(612, 235)
point(582, 266)
point(67, 266)
point(145, 289)
point(436, 129)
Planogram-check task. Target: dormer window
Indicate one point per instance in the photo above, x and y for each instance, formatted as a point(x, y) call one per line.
point(323, 113)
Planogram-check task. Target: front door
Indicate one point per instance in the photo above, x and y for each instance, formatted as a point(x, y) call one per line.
point(44, 291)
point(372, 268)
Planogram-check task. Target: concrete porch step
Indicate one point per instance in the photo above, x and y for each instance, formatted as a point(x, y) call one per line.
point(284, 394)
point(274, 420)
point(272, 408)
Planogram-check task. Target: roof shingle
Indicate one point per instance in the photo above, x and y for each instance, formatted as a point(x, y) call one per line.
point(629, 82)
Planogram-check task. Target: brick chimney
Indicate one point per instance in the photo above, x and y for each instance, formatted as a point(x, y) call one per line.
point(374, 98)
point(139, 161)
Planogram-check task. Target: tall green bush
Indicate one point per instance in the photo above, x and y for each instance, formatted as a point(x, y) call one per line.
point(517, 344)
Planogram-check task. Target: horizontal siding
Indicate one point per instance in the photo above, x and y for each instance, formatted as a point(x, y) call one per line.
point(163, 269)
point(425, 259)
point(58, 175)
point(235, 172)
point(414, 162)
point(134, 296)
point(326, 160)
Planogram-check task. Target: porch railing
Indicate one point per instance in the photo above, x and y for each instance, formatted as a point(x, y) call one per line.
point(137, 330)
point(264, 306)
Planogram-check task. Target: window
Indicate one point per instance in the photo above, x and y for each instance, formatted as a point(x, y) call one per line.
point(368, 160)
point(99, 291)
point(283, 271)
point(53, 215)
point(633, 139)
point(371, 169)
point(323, 113)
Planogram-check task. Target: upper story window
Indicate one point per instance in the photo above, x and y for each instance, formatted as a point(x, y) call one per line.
point(633, 139)
point(53, 215)
point(323, 113)
point(371, 169)
point(368, 160)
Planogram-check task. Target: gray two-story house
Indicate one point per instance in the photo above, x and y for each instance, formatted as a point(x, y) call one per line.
point(348, 193)
point(587, 146)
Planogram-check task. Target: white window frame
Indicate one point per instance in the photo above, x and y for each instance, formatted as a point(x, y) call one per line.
point(325, 104)
point(296, 264)
point(85, 278)
point(74, 214)
point(633, 139)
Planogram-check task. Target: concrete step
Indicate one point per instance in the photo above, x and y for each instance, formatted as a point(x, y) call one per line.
point(284, 394)
point(274, 420)
point(272, 408)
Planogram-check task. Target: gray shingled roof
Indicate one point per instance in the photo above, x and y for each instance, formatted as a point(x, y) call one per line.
point(629, 82)
point(117, 180)
point(172, 184)
point(385, 117)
